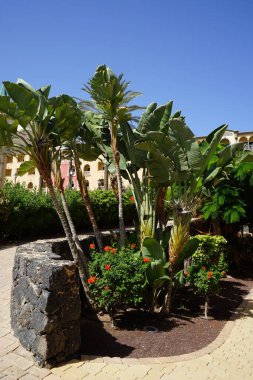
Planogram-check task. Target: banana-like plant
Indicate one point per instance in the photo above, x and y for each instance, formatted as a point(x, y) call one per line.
point(175, 159)
point(111, 98)
point(27, 126)
point(148, 193)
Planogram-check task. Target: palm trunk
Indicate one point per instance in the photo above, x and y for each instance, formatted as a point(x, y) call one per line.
point(40, 184)
point(72, 227)
point(120, 201)
point(114, 185)
point(106, 176)
point(91, 216)
point(85, 195)
point(80, 260)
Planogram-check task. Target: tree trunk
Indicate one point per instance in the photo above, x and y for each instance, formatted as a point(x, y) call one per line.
point(40, 184)
point(83, 269)
point(114, 185)
point(72, 228)
point(216, 227)
point(105, 176)
point(120, 201)
point(168, 297)
point(85, 195)
point(91, 216)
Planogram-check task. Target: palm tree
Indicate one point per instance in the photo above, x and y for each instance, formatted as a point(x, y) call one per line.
point(75, 142)
point(110, 97)
point(27, 126)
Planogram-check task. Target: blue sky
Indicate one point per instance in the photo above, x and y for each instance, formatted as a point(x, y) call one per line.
point(198, 53)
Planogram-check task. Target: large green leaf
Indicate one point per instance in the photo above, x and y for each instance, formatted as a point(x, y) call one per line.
point(130, 137)
point(169, 148)
point(188, 250)
point(166, 117)
point(246, 157)
point(228, 153)
point(7, 129)
point(212, 175)
point(11, 110)
point(150, 108)
point(152, 118)
point(25, 167)
point(153, 250)
point(25, 99)
point(194, 156)
point(208, 149)
point(87, 152)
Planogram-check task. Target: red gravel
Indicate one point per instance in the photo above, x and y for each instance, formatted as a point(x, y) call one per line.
point(184, 332)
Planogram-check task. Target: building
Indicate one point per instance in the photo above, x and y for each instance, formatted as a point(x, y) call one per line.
point(94, 171)
point(231, 137)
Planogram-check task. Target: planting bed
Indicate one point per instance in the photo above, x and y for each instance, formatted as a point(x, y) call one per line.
point(184, 332)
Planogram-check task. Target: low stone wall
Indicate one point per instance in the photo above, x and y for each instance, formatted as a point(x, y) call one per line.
point(45, 301)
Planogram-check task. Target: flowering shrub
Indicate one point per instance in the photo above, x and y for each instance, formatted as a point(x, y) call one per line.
point(208, 264)
point(117, 278)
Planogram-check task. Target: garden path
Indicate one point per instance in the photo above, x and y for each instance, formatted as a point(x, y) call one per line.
point(229, 357)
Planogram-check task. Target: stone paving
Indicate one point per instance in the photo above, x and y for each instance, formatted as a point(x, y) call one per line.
point(229, 357)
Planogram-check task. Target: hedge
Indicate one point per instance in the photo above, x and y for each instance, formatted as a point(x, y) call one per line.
point(25, 213)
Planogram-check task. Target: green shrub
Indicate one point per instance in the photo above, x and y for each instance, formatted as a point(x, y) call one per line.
point(25, 213)
point(208, 265)
point(117, 278)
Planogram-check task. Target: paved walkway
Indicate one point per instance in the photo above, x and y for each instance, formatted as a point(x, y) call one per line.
point(229, 357)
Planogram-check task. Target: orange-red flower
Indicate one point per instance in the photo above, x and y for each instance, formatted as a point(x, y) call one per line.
point(106, 288)
point(107, 266)
point(113, 250)
point(186, 273)
point(203, 268)
point(209, 275)
point(92, 279)
point(133, 246)
point(92, 246)
point(107, 248)
point(146, 260)
point(131, 199)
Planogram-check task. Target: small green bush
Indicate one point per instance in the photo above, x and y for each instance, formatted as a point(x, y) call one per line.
point(117, 278)
point(25, 213)
point(208, 264)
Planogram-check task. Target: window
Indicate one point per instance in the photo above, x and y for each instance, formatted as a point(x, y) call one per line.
point(9, 159)
point(7, 172)
point(21, 158)
point(100, 165)
point(30, 185)
point(101, 184)
point(225, 142)
point(86, 170)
